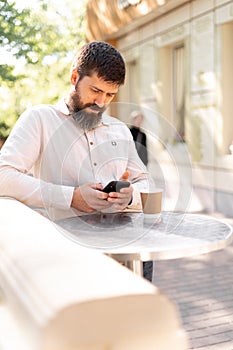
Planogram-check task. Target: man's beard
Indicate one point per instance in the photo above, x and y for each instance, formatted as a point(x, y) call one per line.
point(81, 113)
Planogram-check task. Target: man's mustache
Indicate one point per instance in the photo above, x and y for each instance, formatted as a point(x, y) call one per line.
point(95, 107)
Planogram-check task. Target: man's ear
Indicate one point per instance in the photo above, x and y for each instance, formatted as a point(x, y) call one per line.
point(74, 77)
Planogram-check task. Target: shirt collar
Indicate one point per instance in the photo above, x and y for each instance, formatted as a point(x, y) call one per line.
point(62, 107)
point(104, 120)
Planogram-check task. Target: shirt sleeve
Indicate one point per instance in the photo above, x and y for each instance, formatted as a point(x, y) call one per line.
point(18, 155)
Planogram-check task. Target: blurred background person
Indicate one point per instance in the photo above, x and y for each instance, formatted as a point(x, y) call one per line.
point(136, 119)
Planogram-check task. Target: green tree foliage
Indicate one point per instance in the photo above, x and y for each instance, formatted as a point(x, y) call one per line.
point(42, 40)
point(17, 30)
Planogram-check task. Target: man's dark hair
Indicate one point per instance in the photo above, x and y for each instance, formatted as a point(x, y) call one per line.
point(103, 59)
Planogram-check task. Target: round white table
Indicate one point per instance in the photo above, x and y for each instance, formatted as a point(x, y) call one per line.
point(127, 238)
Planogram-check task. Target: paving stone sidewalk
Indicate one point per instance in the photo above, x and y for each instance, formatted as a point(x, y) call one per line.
point(202, 287)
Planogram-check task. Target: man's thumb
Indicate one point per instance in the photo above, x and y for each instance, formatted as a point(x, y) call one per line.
point(125, 175)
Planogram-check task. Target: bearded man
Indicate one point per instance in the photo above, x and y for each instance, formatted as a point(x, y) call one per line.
point(59, 157)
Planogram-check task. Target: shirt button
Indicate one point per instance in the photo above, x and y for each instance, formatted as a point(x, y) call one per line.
point(94, 164)
point(91, 143)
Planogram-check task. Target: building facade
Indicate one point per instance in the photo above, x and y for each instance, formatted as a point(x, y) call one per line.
point(179, 58)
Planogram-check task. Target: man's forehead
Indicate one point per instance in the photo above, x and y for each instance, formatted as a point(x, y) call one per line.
point(100, 83)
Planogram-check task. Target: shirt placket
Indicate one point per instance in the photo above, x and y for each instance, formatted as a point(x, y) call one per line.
point(90, 136)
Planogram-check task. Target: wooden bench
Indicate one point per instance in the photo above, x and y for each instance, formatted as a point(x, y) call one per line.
point(67, 297)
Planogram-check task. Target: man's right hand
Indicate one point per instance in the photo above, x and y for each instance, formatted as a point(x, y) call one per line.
point(89, 197)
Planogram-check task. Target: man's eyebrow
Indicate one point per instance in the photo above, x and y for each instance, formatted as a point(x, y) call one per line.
point(96, 88)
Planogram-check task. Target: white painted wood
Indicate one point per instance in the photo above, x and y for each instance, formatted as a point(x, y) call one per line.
point(67, 297)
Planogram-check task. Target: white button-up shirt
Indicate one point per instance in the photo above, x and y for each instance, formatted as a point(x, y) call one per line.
point(47, 155)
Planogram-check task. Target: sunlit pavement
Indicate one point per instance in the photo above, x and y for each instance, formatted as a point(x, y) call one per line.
point(202, 287)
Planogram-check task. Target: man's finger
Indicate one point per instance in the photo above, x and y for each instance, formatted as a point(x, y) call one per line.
point(125, 175)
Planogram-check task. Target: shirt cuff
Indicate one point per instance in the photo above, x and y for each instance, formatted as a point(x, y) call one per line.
point(58, 196)
point(135, 201)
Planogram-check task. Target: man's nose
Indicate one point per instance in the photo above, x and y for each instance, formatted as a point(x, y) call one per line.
point(100, 101)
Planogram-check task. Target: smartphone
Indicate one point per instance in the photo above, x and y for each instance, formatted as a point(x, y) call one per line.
point(115, 186)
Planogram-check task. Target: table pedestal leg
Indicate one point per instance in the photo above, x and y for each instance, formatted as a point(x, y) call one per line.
point(136, 266)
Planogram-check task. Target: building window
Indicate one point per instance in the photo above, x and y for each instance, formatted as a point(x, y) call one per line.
point(226, 103)
point(133, 82)
point(178, 72)
point(171, 82)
